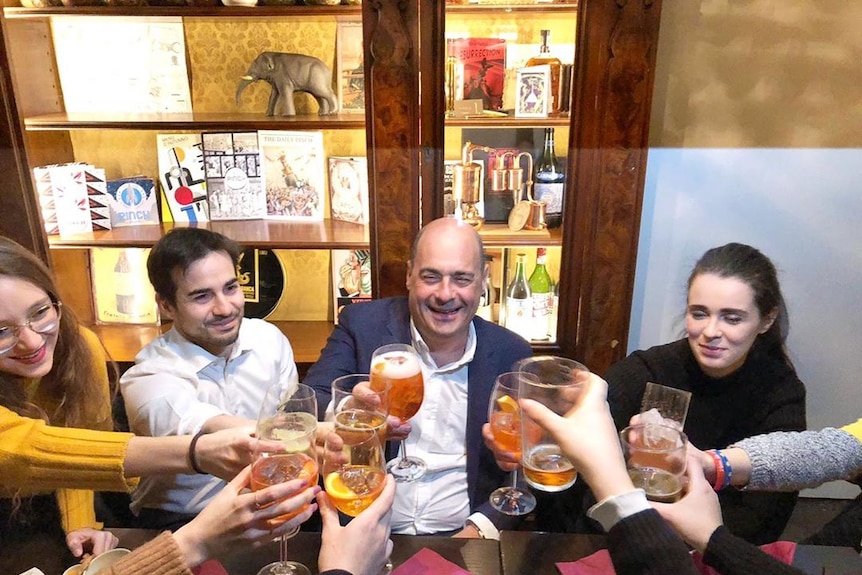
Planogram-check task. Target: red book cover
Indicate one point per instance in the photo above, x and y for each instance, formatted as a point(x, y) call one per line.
point(483, 61)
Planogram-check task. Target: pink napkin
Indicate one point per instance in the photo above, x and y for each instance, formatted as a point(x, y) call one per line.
point(599, 563)
point(211, 567)
point(427, 562)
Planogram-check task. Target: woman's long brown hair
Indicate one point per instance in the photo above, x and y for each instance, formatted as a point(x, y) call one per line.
point(71, 385)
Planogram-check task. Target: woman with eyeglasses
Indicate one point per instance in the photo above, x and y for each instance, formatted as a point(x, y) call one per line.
point(53, 369)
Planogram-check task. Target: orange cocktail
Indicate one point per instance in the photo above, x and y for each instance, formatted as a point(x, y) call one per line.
point(401, 371)
point(280, 468)
point(354, 487)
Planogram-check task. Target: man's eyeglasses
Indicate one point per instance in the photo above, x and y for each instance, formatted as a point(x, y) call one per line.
point(43, 320)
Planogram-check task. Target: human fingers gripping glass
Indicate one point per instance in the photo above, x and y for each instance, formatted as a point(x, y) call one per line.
point(504, 416)
point(397, 365)
point(356, 405)
point(291, 419)
point(558, 385)
point(655, 459)
point(354, 469)
point(42, 320)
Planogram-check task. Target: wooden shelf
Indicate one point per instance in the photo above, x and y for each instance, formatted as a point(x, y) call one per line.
point(500, 236)
point(186, 11)
point(546, 7)
point(194, 121)
point(327, 234)
point(554, 121)
point(123, 342)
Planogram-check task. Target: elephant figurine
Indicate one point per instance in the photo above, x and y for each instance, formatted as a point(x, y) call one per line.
point(286, 73)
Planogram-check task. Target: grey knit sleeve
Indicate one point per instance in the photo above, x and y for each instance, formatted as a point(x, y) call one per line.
point(793, 460)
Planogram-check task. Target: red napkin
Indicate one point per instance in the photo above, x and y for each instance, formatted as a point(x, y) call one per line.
point(211, 567)
point(427, 562)
point(599, 563)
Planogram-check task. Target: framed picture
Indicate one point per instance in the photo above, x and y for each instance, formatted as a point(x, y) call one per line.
point(349, 67)
point(534, 86)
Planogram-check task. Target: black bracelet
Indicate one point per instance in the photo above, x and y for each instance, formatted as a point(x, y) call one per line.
point(192, 459)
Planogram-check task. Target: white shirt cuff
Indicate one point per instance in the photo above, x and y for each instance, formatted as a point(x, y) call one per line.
point(612, 509)
point(488, 529)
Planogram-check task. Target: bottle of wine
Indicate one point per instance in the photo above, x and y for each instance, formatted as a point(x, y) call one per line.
point(555, 313)
point(486, 300)
point(519, 301)
point(124, 285)
point(550, 181)
point(542, 288)
point(545, 57)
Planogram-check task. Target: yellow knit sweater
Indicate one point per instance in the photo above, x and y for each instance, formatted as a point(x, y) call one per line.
point(36, 458)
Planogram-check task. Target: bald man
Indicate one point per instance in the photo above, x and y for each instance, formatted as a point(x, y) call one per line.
point(461, 355)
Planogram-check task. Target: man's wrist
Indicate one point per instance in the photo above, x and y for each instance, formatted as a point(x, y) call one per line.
point(483, 526)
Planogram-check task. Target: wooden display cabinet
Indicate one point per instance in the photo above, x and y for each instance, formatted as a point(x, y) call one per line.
point(403, 134)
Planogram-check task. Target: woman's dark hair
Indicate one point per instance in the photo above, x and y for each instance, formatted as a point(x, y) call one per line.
point(70, 388)
point(749, 265)
point(179, 249)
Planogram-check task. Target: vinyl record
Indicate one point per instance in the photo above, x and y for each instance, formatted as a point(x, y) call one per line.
point(261, 277)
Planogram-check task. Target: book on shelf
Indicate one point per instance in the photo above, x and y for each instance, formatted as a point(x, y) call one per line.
point(181, 175)
point(121, 65)
point(351, 278)
point(348, 189)
point(80, 200)
point(232, 172)
point(122, 292)
point(133, 201)
point(45, 195)
point(480, 70)
point(293, 168)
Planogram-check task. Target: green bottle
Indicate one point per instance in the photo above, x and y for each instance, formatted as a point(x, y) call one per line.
point(542, 288)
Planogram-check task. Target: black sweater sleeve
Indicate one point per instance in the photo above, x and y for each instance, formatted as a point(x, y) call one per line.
point(644, 544)
point(731, 555)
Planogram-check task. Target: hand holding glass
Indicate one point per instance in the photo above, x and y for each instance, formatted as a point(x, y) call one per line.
point(397, 366)
point(291, 420)
point(655, 459)
point(504, 415)
point(557, 383)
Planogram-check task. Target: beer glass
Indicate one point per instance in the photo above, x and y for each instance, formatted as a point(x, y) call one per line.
point(655, 459)
point(292, 420)
point(397, 365)
point(558, 384)
point(504, 416)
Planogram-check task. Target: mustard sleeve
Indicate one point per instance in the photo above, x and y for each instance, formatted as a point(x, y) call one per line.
point(77, 509)
point(854, 429)
point(43, 458)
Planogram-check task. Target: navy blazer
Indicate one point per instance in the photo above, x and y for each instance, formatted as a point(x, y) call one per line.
point(363, 327)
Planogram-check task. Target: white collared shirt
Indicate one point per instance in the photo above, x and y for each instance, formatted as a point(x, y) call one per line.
point(175, 386)
point(439, 500)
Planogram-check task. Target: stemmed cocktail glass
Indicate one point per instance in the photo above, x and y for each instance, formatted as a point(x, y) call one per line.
point(290, 419)
point(397, 366)
point(504, 415)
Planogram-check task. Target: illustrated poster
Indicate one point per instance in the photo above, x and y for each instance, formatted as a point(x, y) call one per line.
point(348, 188)
point(181, 175)
point(351, 278)
point(294, 169)
point(232, 169)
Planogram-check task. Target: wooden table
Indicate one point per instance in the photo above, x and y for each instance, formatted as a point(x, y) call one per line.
point(518, 553)
point(536, 553)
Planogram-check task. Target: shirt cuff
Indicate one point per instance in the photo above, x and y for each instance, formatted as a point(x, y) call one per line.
point(612, 509)
point(485, 525)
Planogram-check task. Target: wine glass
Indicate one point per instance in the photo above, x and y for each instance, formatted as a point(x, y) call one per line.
point(354, 468)
point(292, 420)
point(557, 384)
point(504, 415)
point(397, 365)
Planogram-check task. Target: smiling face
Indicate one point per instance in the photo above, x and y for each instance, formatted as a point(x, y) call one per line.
point(209, 303)
point(445, 280)
point(33, 355)
point(722, 322)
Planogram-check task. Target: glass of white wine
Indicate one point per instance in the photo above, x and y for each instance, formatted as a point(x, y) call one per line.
point(558, 383)
point(291, 419)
